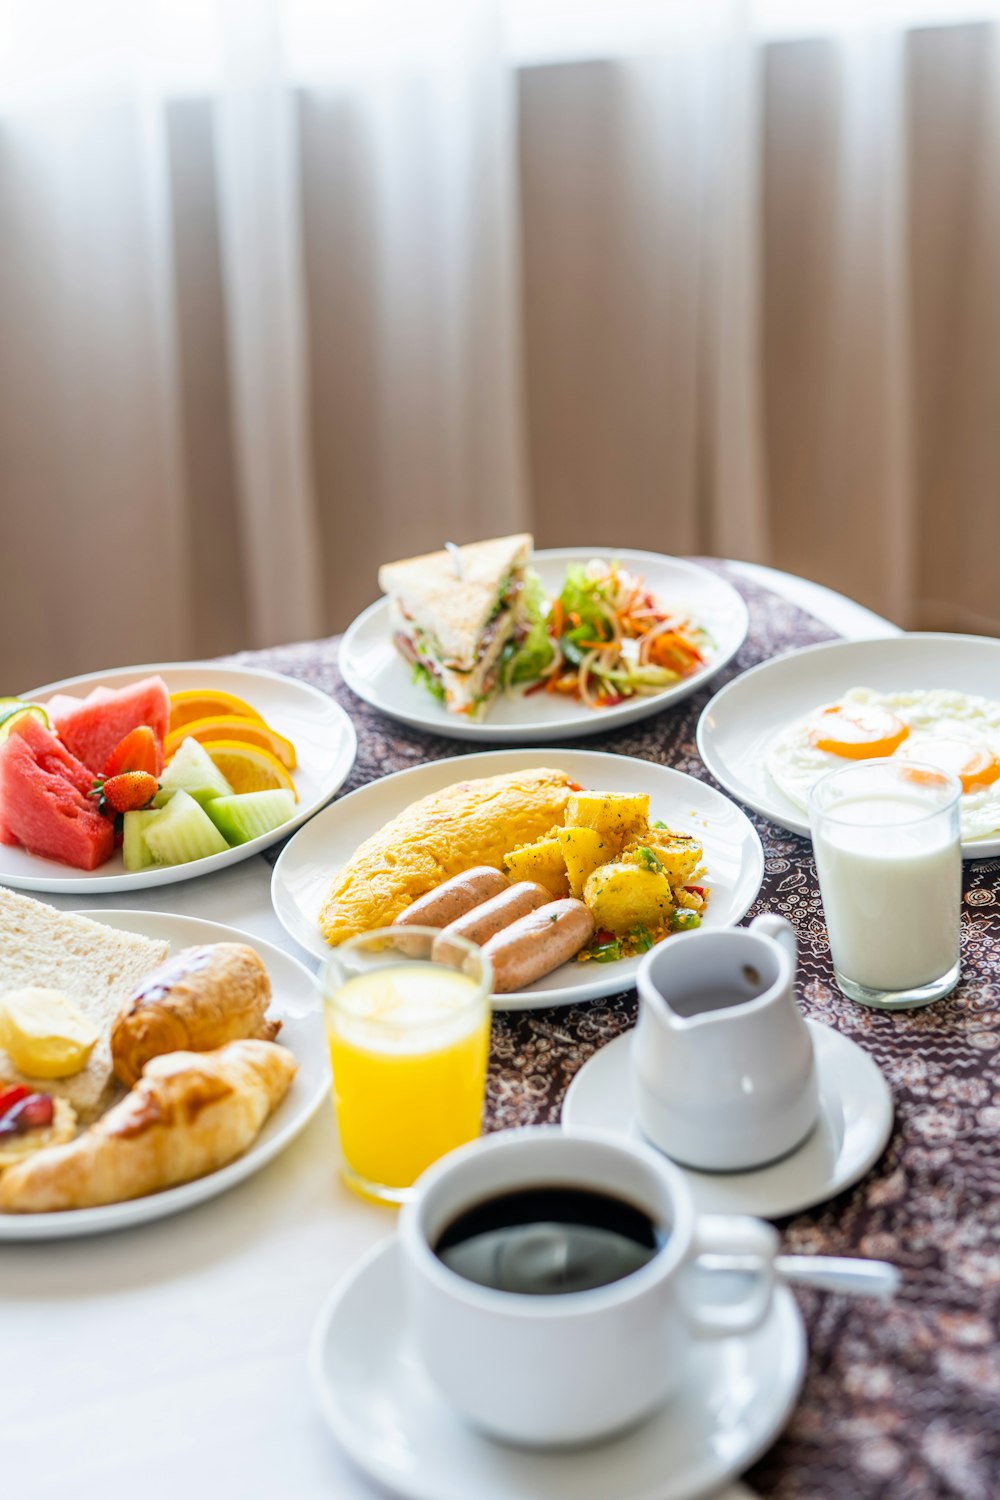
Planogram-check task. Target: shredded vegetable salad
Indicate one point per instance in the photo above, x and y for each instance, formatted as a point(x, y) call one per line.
point(607, 638)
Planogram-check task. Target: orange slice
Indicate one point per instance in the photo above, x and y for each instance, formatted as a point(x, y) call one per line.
point(206, 703)
point(858, 732)
point(249, 768)
point(233, 727)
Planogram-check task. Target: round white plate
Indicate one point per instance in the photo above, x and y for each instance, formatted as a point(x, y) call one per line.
point(736, 1396)
point(855, 1122)
point(295, 1001)
point(374, 669)
point(321, 732)
point(738, 726)
point(733, 852)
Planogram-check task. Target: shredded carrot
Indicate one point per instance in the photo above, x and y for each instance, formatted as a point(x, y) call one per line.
point(557, 618)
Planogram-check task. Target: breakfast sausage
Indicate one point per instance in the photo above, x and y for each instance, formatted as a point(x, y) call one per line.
point(538, 943)
point(485, 921)
point(446, 903)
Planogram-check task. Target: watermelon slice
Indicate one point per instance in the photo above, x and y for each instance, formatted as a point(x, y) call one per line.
point(43, 800)
point(91, 727)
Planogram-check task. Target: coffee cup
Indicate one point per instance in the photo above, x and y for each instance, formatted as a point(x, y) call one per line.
point(723, 1071)
point(540, 1338)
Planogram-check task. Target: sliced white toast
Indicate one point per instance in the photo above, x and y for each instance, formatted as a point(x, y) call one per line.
point(98, 967)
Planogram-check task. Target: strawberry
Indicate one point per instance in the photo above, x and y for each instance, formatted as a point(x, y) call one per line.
point(128, 790)
point(138, 751)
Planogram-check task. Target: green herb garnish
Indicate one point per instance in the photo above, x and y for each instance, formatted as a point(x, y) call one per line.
point(642, 938)
point(684, 921)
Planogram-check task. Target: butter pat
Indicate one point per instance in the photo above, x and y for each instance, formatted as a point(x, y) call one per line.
point(44, 1034)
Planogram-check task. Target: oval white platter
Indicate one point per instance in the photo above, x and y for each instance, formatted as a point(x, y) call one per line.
point(738, 725)
point(321, 732)
point(374, 669)
point(733, 852)
point(295, 1001)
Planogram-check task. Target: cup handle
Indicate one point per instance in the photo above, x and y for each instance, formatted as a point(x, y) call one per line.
point(770, 925)
point(732, 1242)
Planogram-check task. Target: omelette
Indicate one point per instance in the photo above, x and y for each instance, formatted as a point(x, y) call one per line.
point(470, 823)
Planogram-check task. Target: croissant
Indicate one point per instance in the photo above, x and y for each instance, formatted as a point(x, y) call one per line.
point(200, 999)
point(188, 1115)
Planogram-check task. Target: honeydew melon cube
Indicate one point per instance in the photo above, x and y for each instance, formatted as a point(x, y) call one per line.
point(135, 851)
point(248, 815)
point(192, 770)
point(182, 831)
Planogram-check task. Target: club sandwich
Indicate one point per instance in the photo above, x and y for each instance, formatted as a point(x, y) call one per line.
point(453, 612)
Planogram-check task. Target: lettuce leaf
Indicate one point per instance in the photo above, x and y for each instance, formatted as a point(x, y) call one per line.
point(430, 682)
point(526, 662)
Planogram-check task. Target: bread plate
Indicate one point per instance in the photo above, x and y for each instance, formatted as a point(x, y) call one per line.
point(295, 1001)
point(733, 853)
point(374, 669)
point(741, 722)
point(319, 728)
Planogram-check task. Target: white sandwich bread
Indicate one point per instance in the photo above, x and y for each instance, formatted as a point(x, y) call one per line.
point(452, 612)
point(95, 966)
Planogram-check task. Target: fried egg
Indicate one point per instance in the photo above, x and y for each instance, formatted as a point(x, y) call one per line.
point(956, 732)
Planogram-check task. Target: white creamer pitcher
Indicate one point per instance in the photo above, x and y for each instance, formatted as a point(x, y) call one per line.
point(723, 1071)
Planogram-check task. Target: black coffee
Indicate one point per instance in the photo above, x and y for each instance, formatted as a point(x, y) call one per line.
point(547, 1241)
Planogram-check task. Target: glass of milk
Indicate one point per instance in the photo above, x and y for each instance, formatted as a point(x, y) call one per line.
point(888, 853)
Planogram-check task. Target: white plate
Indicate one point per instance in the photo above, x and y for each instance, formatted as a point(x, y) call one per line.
point(295, 1001)
point(737, 727)
point(733, 853)
point(321, 732)
point(736, 1396)
point(374, 669)
point(855, 1122)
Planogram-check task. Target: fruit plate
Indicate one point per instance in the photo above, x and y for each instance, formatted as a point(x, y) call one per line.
point(295, 1001)
point(322, 733)
point(740, 723)
point(374, 669)
point(733, 854)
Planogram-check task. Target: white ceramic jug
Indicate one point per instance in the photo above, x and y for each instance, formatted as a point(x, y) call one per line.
point(723, 1071)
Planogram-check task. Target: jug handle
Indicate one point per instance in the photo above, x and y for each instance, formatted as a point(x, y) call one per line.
point(770, 925)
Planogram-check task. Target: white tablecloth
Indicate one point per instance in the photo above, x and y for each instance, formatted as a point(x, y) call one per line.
point(168, 1362)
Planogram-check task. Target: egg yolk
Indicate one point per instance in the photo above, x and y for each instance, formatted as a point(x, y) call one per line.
point(974, 766)
point(859, 732)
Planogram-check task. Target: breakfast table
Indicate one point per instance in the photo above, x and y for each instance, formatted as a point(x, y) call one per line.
point(170, 1359)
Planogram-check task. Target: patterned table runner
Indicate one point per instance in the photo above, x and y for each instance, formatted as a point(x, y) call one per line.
point(900, 1402)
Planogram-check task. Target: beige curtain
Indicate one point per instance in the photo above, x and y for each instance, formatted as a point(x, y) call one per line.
point(736, 296)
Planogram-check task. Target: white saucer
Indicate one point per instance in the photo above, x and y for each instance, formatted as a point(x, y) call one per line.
point(855, 1121)
point(735, 1398)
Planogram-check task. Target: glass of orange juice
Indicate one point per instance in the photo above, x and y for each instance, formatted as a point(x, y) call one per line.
point(409, 1041)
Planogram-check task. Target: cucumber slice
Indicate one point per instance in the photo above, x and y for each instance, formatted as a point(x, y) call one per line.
point(248, 815)
point(182, 831)
point(193, 770)
point(135, 850)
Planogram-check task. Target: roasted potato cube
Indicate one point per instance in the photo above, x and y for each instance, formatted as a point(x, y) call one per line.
point(679, 854)
point(625, 896)
point(615, 818)
point(583, 850)
point(542, 862)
